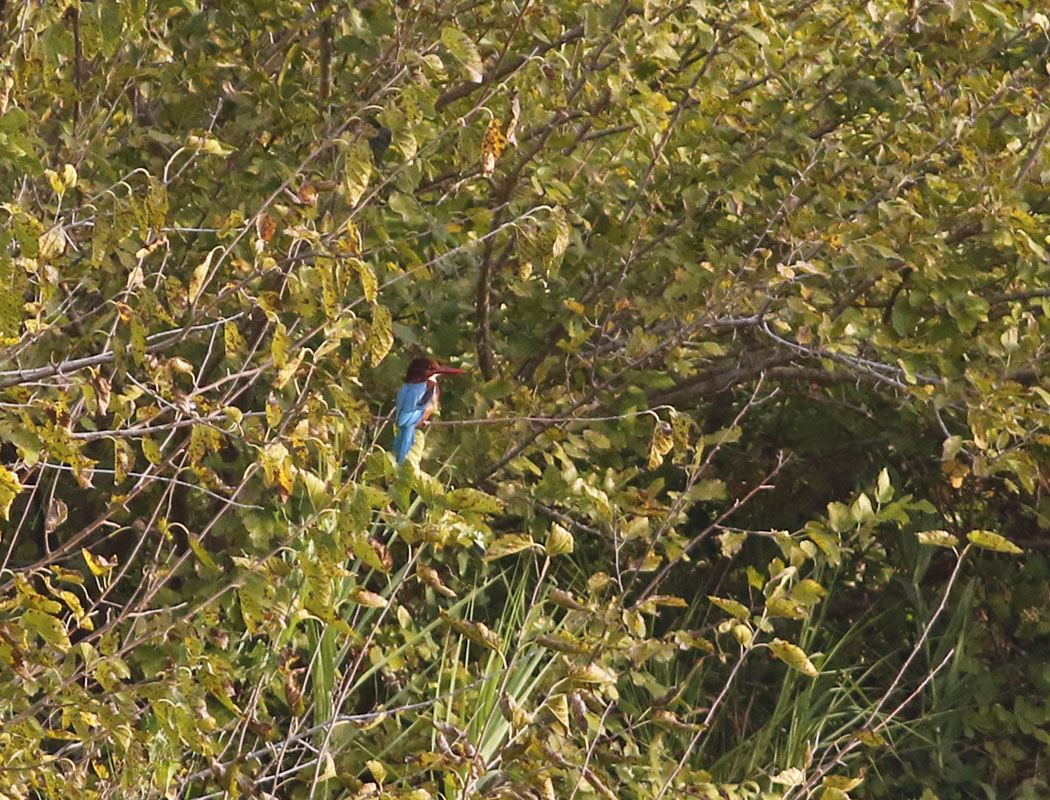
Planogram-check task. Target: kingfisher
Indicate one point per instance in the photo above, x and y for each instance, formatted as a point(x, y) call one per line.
point(417, 400)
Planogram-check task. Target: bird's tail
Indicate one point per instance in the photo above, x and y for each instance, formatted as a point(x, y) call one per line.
point(406, 437)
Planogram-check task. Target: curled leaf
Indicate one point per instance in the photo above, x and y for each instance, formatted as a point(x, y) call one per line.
point(559, 541)
point(661, 444)
point(794, 656)
point(366, 598)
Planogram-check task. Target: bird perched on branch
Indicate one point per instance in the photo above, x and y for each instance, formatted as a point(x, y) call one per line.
point(416, 401)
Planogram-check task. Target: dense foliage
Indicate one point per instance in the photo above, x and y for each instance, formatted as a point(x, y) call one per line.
point(744, 496)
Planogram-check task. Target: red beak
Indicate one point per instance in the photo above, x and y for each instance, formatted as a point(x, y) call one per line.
point(440, 370)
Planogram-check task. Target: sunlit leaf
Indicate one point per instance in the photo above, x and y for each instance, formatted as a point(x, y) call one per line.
point(993, 541)
point(938, 538)
point(10, 486)
point(794, 656)
point(509, 544)
point(734, 607)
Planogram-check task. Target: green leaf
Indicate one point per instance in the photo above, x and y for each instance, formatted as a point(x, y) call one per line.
point(372, 552)
point(993, 541)
point(156, 203)
point(49, 628)
point(13, 119)
point(463, 50)
point(840, 517)
point(884, 491)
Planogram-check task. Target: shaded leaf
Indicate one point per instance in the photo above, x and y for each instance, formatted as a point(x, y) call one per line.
point(463, 50)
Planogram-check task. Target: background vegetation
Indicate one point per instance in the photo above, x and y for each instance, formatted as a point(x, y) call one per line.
point(745, 495)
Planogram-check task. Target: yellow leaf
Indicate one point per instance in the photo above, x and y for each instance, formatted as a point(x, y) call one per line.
point(467, 499)
point(369, 284)
point(508, 545)
point(280, 344)
point(661, 444)
point(49, 628)
point(52, 244)
point(287, 371)
point(382, 338)
point(842, 783)
point(99, 565)
point(10, 486)
point(492, 147)
point(512, 712)
point(792, 776)
point(512, 119)
point(358, 170)
point(558, 706)
point(232, 339)
point(74, 605)
point(593, 673)
point(180, 365)
point(274, 412)
point(150, 450)
point(737, 609)
point(993, 541)
point(794, 656)
point(562, 230)
point(475, 631)
point(203, 440)
point(277, 468)
point(432, 578)
point(123, 460)
point(377, 769)
point(55, 181)
point(575, 307)
point(353, 238)
point(366, 598)
point(559, 541)
point(938, 538)
point(329, 769)
point(200, 275)
point(372, 552)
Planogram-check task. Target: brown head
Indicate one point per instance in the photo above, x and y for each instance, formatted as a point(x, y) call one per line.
point(422, 368)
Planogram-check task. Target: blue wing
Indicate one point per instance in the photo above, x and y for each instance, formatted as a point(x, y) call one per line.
point(412, 402)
